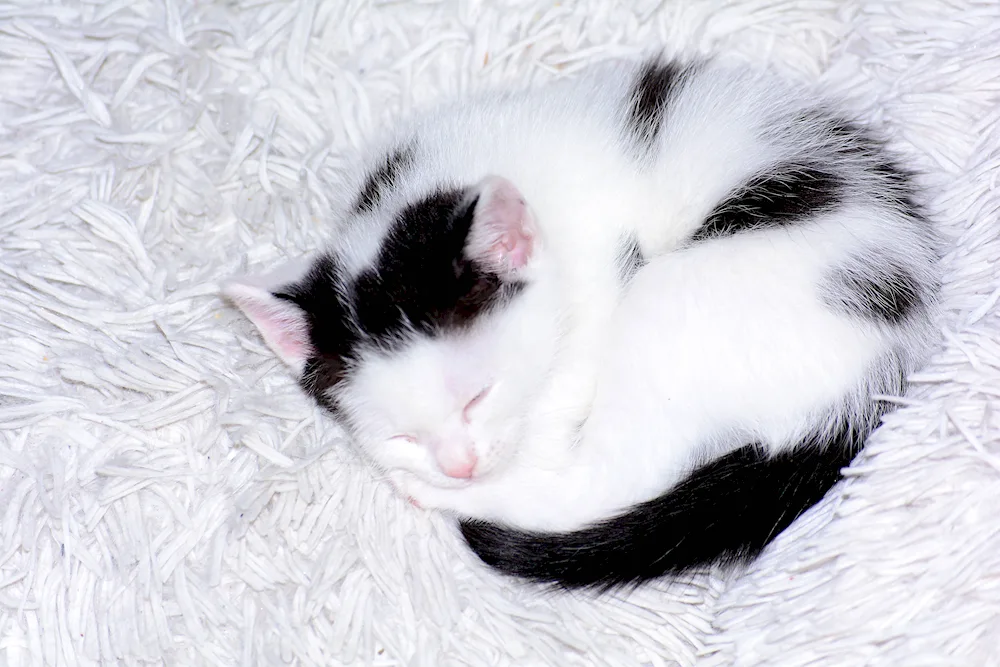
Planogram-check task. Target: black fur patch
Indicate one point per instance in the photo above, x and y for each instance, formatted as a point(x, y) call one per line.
point(877, 289)
point(383, 178)
point(656, 83)
point(726, 511)
point(630, 258)
point(782, 196)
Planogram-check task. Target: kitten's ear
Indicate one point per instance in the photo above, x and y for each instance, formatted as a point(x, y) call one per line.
point(284, 326)
point(503, 236)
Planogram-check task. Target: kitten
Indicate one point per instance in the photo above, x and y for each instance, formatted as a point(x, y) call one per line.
point(622, 325)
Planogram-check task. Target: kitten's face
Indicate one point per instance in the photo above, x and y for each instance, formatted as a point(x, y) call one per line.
point(433, 352)
point(453, 405)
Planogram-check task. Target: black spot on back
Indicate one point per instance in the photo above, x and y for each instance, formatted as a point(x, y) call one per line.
point(630, 258)
point(784, 195)
point(878, 289)
point(653, 87)
point(383, 178)
point(422, 279)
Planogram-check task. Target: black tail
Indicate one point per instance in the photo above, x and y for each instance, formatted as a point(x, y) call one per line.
point(726, 511)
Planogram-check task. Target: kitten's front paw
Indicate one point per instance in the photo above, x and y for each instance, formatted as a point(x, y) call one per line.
point(401, 483)
point(419, 493)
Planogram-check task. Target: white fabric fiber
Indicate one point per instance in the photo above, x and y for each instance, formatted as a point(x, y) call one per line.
point(169, 497)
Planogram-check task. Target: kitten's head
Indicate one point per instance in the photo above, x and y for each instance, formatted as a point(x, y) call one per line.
point(432, 350)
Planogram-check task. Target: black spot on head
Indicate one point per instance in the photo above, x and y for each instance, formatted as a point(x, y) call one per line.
point(877, 289)
point(630, 258)
point(422, 279)
point(783, 195)
point(653, 87)
point(383, 178)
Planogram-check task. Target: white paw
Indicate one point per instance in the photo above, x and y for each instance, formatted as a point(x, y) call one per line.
point(428, 496)
point(403, 483)
point(418, 492)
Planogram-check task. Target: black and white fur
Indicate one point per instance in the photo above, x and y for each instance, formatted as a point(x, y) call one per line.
point(623, 325)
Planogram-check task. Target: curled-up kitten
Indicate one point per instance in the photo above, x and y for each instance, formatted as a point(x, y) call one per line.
point(621, 326)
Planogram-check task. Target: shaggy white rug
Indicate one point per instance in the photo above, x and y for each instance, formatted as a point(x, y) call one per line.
point(167, 495)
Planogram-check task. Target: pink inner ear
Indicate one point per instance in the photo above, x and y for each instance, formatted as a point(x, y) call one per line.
point(503, 236)
point(282, 324)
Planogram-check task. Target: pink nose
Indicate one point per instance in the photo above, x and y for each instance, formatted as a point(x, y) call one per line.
point(462, 469)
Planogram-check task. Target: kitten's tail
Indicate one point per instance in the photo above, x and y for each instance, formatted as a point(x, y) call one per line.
point(726, 511)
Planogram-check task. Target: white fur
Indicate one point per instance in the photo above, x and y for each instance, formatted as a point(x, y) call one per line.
point(711, 344)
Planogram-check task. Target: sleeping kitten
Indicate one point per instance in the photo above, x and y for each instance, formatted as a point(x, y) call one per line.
point(622, 325)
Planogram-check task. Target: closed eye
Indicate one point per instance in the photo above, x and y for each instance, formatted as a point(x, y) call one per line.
point(470, 406)
point(402, 437)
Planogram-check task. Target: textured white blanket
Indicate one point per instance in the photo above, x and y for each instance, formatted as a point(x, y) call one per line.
point(167, 496)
